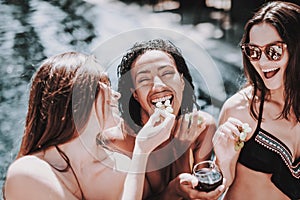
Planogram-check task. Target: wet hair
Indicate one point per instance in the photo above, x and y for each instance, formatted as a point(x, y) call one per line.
point(285, 18)
point(130, 108)
point(63, 91)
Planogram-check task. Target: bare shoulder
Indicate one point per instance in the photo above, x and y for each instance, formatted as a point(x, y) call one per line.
point(239, 101)
point(30, 166)
point(30, 177)
point(236, 106)
point(207, 117)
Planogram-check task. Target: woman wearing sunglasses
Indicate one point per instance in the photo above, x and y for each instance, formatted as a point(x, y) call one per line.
point(257, 144)
point(74, 145)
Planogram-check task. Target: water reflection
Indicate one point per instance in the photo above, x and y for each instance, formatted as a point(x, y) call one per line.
point(29, 32)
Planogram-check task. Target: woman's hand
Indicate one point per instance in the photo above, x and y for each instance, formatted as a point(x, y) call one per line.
point(184, 186)
point(227, 145)
point(187, 130)
point(155, 131)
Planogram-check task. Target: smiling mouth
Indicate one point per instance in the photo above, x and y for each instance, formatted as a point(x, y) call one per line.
point(164, 103)
point(269, 73)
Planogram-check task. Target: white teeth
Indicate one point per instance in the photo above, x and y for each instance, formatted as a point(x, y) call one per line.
point(162, 99)
point(269, 70)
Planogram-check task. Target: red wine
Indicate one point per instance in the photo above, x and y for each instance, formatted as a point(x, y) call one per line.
point(208, 179)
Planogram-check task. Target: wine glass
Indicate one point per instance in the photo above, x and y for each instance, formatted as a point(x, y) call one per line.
point(208, 174)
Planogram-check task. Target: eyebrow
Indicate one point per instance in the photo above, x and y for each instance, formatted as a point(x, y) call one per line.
point(164, 66)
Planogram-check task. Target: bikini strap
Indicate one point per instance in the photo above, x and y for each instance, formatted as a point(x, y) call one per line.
point(67, 160)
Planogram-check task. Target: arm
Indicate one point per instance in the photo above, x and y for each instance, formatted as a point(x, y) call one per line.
point(225, 155)
point(156, 131)
point(227, 135)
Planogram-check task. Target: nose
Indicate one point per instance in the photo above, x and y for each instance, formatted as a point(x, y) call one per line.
point(157, 83)
point(115, 94)
point(263, 59)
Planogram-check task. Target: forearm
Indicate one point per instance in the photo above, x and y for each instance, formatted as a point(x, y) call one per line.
point(228, 168)
point(134, 182)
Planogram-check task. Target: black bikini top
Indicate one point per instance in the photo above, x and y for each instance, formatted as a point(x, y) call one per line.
point(265, 153)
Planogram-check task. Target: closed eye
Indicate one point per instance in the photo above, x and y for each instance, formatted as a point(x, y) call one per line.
point(142, 80)
point(167, 73)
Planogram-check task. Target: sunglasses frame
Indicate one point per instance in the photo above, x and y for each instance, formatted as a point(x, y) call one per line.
point(263, 49)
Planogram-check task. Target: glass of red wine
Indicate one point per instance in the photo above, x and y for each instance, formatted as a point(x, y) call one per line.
point(208, 174)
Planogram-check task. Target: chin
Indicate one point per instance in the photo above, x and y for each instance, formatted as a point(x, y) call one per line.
point(273, 86)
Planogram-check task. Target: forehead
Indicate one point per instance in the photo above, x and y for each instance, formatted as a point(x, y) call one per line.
point(262, 34)
point(153, 60)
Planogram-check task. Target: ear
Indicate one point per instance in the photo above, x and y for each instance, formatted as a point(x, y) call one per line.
point(134, 94)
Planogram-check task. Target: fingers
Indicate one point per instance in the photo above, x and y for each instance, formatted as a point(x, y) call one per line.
point(168, 121)
point(188, 179)
point(188, 183)
point(155, 117)
point(215, 194)
point(161, 117)
point(159, 126)
point(235, 121)
point(190, 123)
point(232, 128)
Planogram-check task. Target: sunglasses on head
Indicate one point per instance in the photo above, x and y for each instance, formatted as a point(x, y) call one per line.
point(273, 51)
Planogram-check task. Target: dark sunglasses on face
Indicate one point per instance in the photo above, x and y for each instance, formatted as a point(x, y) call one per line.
point(273, 51)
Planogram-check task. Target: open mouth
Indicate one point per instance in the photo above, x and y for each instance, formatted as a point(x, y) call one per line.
point(269, 73)
point(164, 103)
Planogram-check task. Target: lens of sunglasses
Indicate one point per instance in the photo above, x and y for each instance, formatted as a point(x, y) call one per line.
point(252, 52)
point(272, 51)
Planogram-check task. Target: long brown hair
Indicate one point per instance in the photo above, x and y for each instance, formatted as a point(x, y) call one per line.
point(285, 18)
point(61, 97)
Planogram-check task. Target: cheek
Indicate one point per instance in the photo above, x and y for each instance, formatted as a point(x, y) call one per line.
point(285, 62)
point(256, 68)
point(178, 87)
point(141, 95)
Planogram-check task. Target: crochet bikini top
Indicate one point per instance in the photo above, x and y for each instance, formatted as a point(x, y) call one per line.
point(265, 153)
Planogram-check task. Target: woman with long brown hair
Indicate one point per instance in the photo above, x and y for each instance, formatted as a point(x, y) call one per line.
point(74, 145)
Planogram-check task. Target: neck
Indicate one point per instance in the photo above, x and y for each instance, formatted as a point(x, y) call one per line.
point(277, 96)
